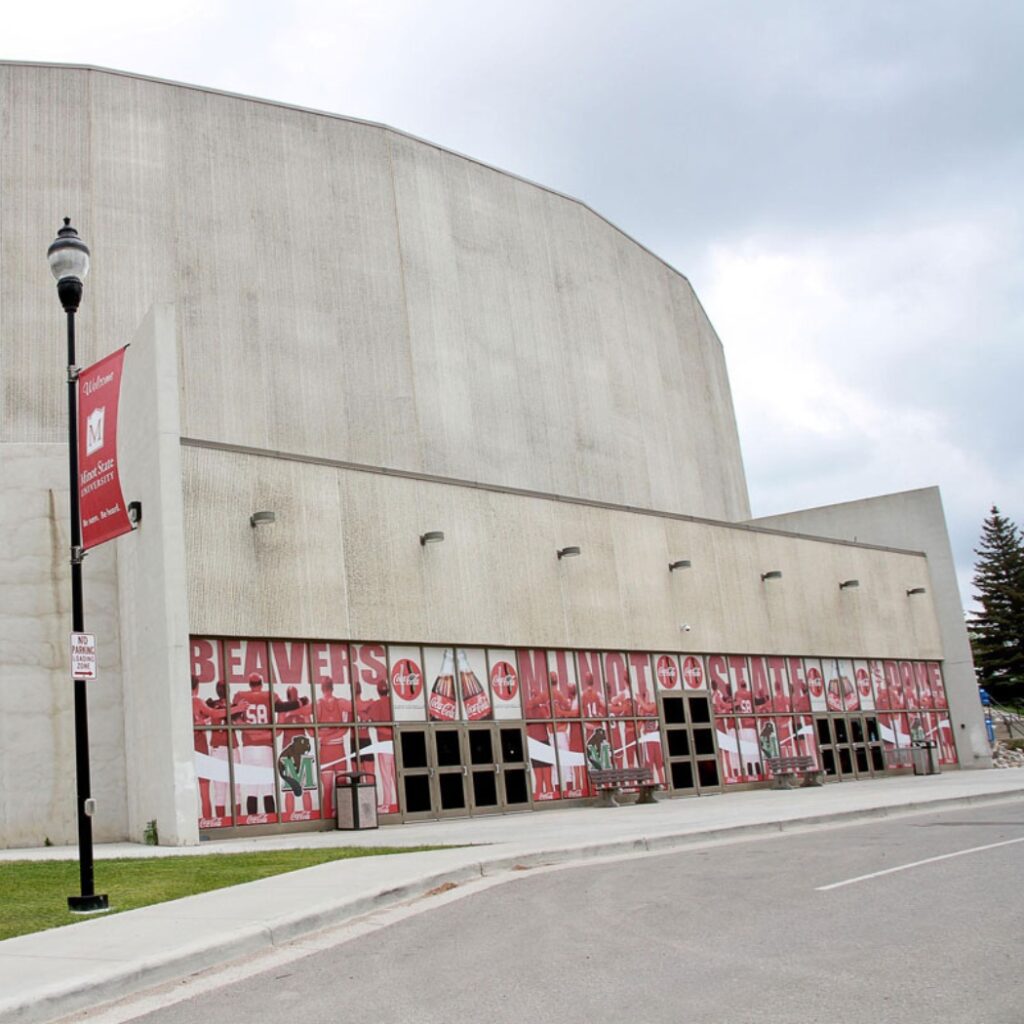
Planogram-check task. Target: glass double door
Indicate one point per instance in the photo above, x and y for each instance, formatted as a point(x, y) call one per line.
point(850, 746)
point(457, 769)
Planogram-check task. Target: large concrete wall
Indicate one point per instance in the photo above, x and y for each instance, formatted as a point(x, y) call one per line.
point(348, 292)
point(37, 728)
point(152, 592)
point(917, 518)
point(343, 560)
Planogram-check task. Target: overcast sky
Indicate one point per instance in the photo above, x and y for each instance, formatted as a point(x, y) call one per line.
point(840, 181)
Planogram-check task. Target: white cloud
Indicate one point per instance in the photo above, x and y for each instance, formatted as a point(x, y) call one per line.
point(834, 344)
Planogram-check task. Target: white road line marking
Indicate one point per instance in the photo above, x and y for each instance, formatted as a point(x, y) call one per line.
point(916, 864)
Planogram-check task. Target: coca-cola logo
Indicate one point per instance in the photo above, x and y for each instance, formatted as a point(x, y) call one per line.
point(863, 682)
point(693, 673)
point(815, 682)
point(504, 681)
point(668, 673)
point(406, 679)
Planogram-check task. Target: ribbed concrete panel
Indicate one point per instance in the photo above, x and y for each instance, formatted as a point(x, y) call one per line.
point(348, 292)
point(343, 560)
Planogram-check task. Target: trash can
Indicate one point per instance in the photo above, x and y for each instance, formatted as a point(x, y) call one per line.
point(355, 797)
point(926, 760)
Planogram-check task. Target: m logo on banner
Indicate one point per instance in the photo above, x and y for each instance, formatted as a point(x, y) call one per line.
point(94, 430)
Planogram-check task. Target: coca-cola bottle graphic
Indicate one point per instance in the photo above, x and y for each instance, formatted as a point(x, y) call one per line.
point(474, 699)
point(442, 695)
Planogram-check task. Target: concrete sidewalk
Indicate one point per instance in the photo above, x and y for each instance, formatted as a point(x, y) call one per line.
point(53, 973)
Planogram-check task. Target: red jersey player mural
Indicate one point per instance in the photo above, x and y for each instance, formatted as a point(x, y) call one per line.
point(335, 751)
point(251, 709)
point(616, 681)
point(743, 704)
point(592, 699)
point(725, 724)
point(543, 761)
point(572, 768)
point(201, 744)
point(565, 700)
point(533, 677)
point(276, 722)
point(651, 754)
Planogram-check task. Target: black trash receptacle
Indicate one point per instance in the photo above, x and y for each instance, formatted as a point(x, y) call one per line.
point(355, 798)
point(926, 758)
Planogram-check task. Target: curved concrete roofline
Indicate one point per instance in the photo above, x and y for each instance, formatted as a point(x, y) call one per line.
point(354, 120)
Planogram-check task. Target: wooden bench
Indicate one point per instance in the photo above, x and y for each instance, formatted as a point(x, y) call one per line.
point(609, 782)
point(785, 770)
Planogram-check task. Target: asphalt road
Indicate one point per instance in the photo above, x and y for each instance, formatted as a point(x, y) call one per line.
point(742, 933)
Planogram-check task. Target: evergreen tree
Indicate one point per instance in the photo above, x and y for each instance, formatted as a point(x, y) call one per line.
point(997, 631)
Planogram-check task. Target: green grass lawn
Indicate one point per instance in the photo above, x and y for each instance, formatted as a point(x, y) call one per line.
point(33, 894)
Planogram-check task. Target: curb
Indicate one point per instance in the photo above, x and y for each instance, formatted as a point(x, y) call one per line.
point(117, 982)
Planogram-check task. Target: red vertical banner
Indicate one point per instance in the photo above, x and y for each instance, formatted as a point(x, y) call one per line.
point(102, 507)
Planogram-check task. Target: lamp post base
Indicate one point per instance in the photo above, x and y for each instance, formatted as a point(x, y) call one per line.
point(94, 904)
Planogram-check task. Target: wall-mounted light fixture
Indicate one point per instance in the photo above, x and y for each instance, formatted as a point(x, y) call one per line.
point(849, 584)
point(916, 590)
point(262, 519)
point(569, 552)
point(682, 563)
point(772, 574)
point(431, 537)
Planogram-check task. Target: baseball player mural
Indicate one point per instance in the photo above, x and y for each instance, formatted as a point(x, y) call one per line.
point(277, 723)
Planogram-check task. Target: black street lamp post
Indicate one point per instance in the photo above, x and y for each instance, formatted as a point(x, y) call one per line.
point(68, 256)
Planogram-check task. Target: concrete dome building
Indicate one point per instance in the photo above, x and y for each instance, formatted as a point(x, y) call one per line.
point(376, 339)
